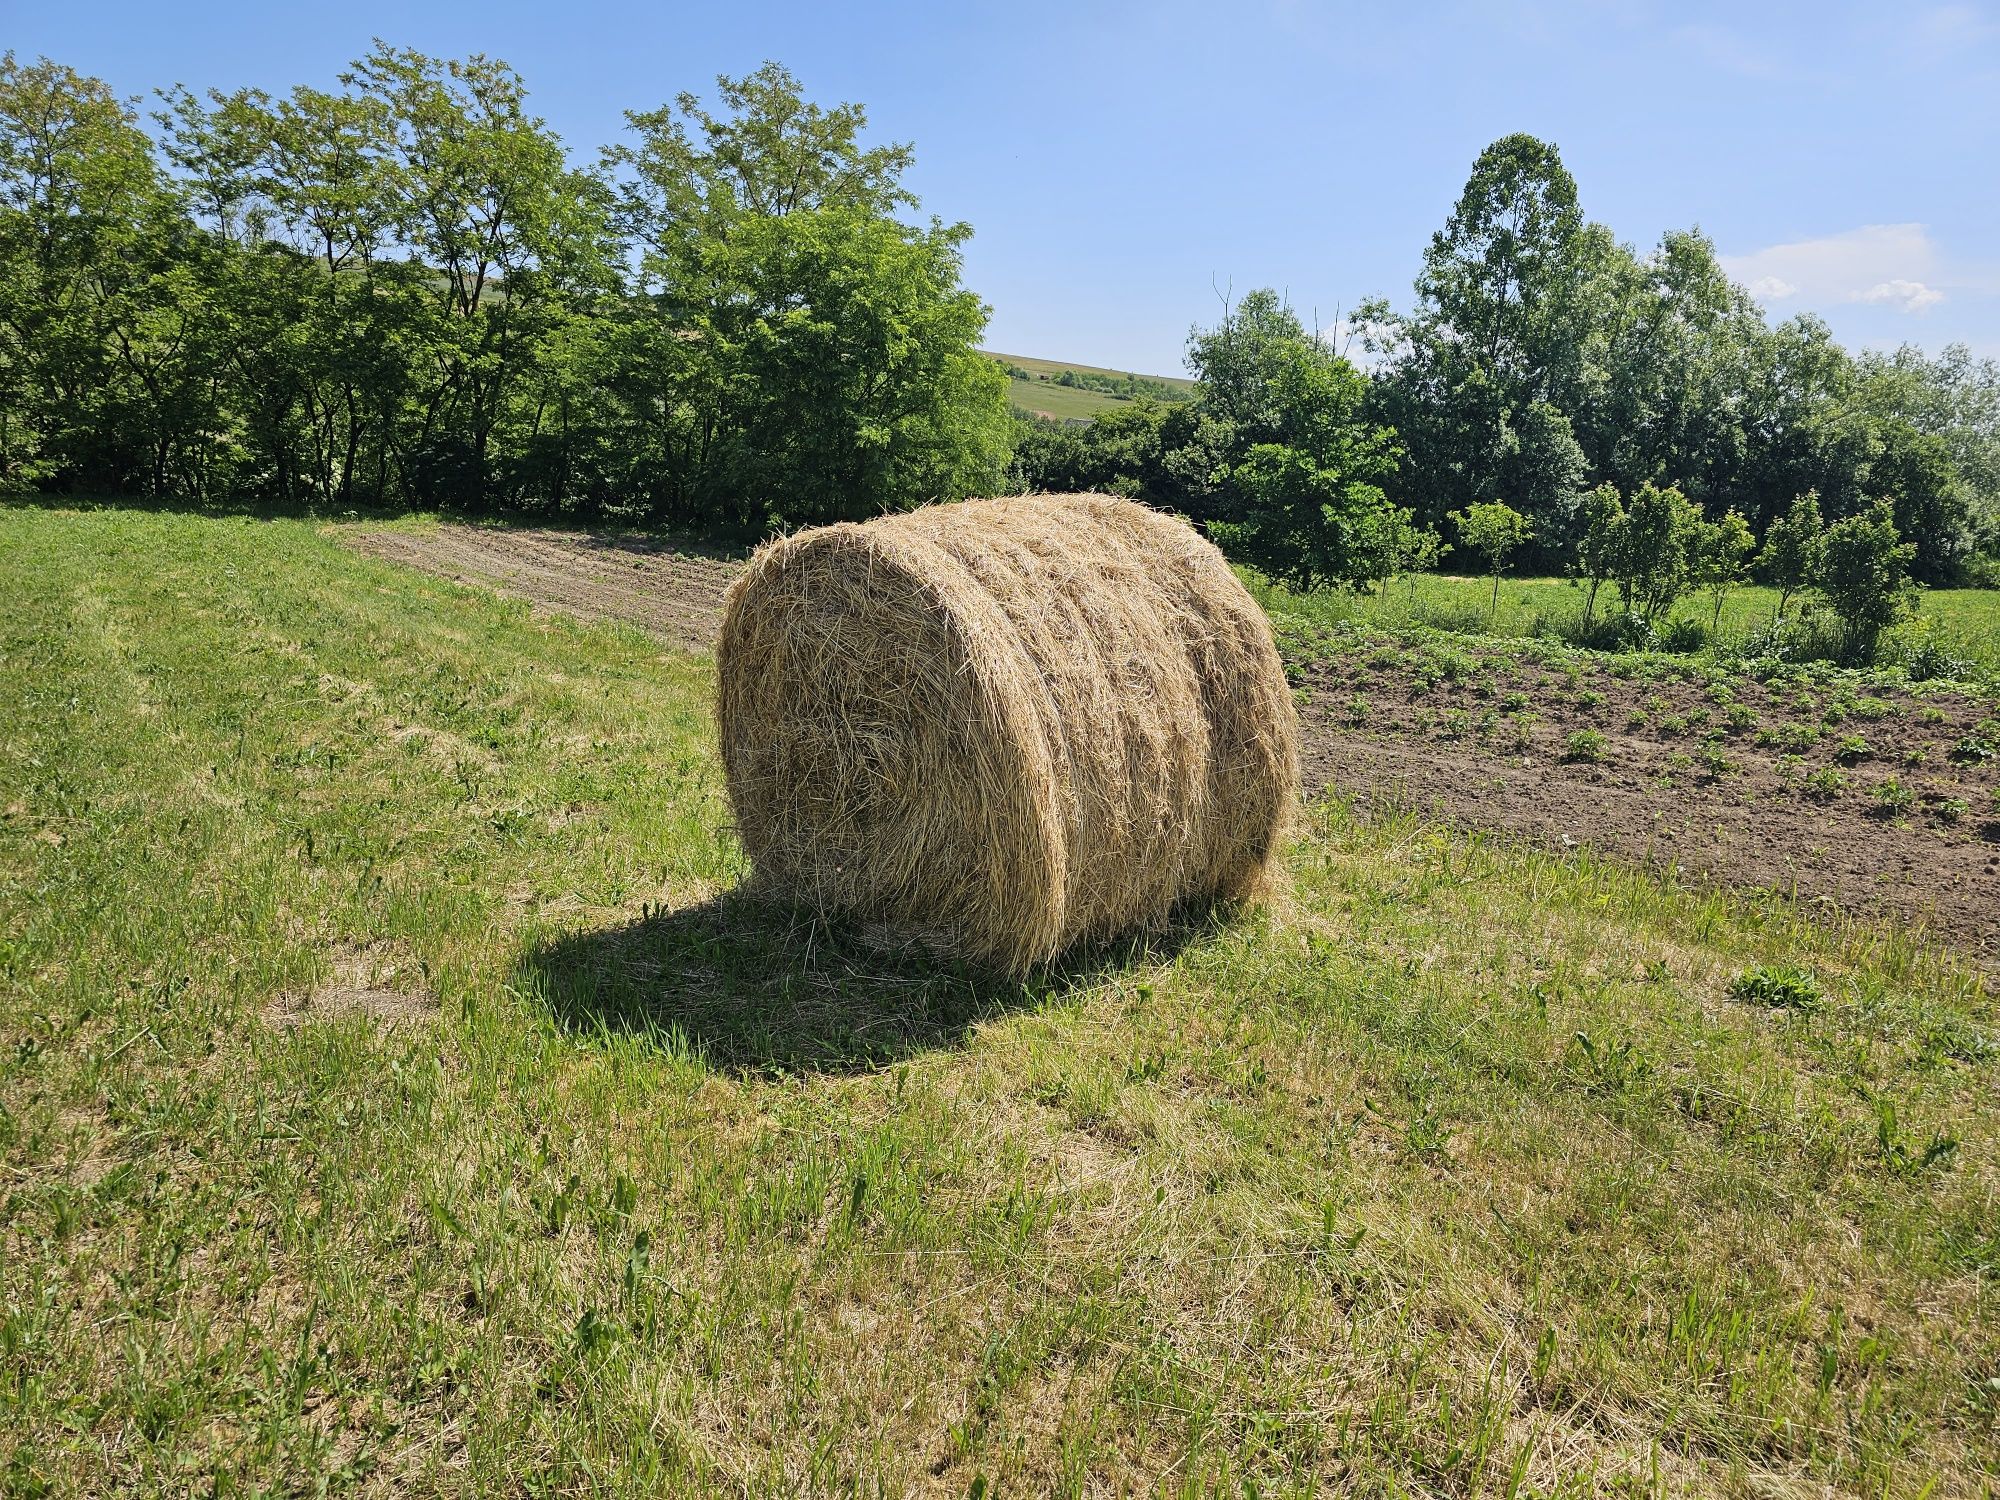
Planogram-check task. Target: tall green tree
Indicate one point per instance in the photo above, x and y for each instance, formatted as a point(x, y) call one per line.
point(797, 353)
point(1312, 510)
point(1484, 377)
point(78, 194)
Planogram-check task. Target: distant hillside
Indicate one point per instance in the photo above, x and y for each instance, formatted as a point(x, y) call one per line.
point(1055, 389)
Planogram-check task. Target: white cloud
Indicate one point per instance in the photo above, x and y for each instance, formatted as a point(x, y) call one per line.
point(1910, 296)
point(1891, 264)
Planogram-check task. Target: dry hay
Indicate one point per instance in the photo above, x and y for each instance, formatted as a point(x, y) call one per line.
point(1005, 725)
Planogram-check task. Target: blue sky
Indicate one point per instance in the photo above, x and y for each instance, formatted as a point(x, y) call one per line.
point(1120, 162)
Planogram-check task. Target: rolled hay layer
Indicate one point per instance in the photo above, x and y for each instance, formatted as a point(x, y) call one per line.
point(1005, 725)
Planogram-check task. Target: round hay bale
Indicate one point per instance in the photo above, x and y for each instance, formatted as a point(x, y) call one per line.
point(1005, 725)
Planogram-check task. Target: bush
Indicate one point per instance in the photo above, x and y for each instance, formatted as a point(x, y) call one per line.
point(1864, 576)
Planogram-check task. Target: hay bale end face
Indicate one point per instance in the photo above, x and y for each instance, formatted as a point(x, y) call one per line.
point(1005, 725)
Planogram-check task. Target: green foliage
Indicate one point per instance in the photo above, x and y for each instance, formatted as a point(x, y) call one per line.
point(1539, 350)
point(1493, 529)
point(1309, 507)
point(402, 292)
point(1118, 453)
point(814, 357)
point(1654, 551)
point(1126, 387)
point(1722, 552)
point(1780, 986)
point(1600, 520)
point(1587, 745)
point(1864, 577)
point(1892, 798)
point(1793, 547)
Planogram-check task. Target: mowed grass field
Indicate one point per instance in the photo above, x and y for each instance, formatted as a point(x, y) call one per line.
point(395, 1098)
point(1965, 622)
point(1042, 394)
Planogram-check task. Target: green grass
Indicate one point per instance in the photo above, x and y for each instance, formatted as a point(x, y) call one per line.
point(1458, 1171)
point(1040, 393)
point(1966, 622)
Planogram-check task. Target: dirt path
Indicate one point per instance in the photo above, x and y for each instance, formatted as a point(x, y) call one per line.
point(673, 591)
point(1718, 781)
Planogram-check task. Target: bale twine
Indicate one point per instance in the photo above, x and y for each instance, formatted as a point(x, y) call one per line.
point(1005, 725)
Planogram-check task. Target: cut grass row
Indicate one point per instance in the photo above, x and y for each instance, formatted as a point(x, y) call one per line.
point(1464, 1169)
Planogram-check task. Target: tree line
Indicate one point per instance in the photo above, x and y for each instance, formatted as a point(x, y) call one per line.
point(1541, 359)
point(401, 291)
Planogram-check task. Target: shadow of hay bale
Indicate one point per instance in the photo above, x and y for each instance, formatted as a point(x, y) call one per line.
point(750, 985)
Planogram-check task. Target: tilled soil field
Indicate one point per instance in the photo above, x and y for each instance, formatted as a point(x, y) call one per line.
point(1871, 801)
point(670, 590)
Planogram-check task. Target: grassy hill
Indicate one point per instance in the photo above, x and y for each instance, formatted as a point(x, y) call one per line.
point(1039, 387)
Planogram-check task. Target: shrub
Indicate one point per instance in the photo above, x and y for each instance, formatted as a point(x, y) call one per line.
point(1790, 560)
point(1493, 530)
point(1654, 550)
point(1864, 575)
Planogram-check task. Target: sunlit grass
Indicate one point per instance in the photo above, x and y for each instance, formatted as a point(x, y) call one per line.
point(1460, 1170)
